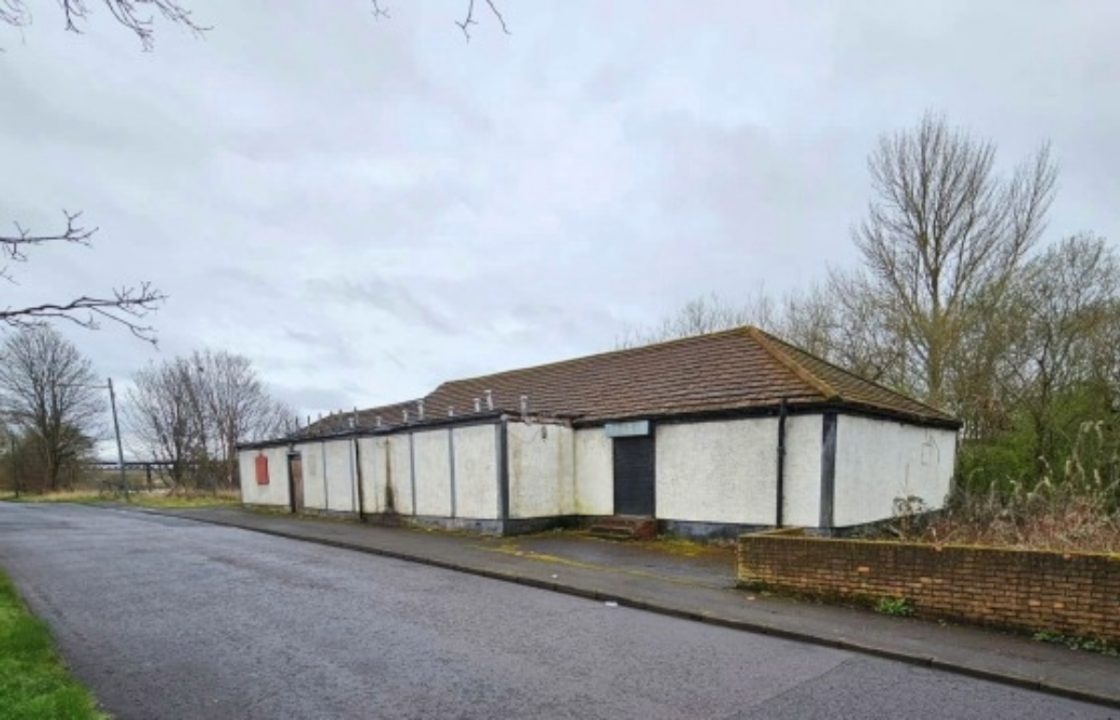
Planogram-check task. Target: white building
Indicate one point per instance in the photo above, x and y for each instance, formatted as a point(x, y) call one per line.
point(712, 434)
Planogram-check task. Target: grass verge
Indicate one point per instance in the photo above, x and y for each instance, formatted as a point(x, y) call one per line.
point(141, 499)
point(34, 684)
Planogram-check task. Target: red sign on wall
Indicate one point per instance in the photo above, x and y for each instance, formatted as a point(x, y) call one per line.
point(262, 469)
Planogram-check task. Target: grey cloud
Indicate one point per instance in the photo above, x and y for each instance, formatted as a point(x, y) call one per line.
point(395, 298)
point(366, 209)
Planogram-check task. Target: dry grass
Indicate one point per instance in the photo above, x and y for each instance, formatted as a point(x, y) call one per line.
point(161, 499)
point(64, 496)
point(1075, 524)
point(1076, 508)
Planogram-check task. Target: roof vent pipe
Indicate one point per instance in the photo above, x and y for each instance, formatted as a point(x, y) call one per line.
point(489, 400)
point(419, 409)
point(450, 411)
point(404, 414)
point(377, 421)
point(478, 404)
point(524, 404)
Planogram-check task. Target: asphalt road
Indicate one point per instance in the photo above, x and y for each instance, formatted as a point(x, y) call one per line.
point(168, 618)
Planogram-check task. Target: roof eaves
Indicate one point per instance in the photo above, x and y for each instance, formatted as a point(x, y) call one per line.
point(826, 390)
point(933, 412)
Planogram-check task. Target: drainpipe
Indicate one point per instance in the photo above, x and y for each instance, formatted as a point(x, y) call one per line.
point(778, 520)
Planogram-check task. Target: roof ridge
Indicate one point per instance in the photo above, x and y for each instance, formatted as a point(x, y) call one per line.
point(580, 358)
point(763, 339)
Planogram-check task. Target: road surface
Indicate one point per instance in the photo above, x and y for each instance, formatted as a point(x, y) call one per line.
point(169, 618)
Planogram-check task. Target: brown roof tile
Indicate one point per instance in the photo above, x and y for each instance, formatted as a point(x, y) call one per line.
point(740, 369)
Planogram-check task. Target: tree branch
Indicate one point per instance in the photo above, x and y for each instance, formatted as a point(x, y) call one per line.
point(13, 245)
point(127, 307)
point(469, 19)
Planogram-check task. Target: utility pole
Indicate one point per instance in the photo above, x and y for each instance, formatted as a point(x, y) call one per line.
point(120, 450)
point(12, 461)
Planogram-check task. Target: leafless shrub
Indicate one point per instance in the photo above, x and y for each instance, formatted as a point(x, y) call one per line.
point(1074, 507)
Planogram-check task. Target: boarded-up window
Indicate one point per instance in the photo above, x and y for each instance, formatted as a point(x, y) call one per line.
point(262, 469)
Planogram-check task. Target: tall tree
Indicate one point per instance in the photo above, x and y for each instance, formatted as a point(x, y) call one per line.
point(1067, 300)
point(48, 392)
point(236, 405)
point(942, 240)
point(162, 419)
point(192, 411)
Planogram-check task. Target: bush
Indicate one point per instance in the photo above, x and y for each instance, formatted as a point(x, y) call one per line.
point(1075, 506)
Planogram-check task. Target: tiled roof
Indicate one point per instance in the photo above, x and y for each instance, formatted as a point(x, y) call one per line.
point(740, 369)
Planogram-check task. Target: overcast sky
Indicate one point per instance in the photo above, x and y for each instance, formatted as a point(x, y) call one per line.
point(366, 208)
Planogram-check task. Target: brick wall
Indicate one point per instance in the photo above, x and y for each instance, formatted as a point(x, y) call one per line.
point(1072, 593)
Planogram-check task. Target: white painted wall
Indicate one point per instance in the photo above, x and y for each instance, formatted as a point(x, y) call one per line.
point(342, 492)
point(311, 455)
point(594, 472)
point(276, 491)
point(722, 472)
point(880, 460)
point(400, 472)
point(476, 472)
point(432, 456)
point(373, 455)
point(802, 491)
point(541, 470)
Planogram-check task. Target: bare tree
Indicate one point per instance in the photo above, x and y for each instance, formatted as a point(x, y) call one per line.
point(48, 393)
point(943, 238)
point(192, 412)
point(162, 419)
point(702, 314)
point(235, 404)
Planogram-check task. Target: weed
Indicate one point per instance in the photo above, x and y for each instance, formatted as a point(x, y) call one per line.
point(1076, 642)
point(894, 606)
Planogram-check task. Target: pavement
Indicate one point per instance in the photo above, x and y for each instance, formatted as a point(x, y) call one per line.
point(169, 618)
point(673, 580)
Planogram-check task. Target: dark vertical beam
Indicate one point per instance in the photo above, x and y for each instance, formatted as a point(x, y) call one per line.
point(451, 465)
point(828, 469)
point(781, 480)
point(412, 470)
point(326, 483)
point(503, 468)
point(291, 483)
point(358, 479)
